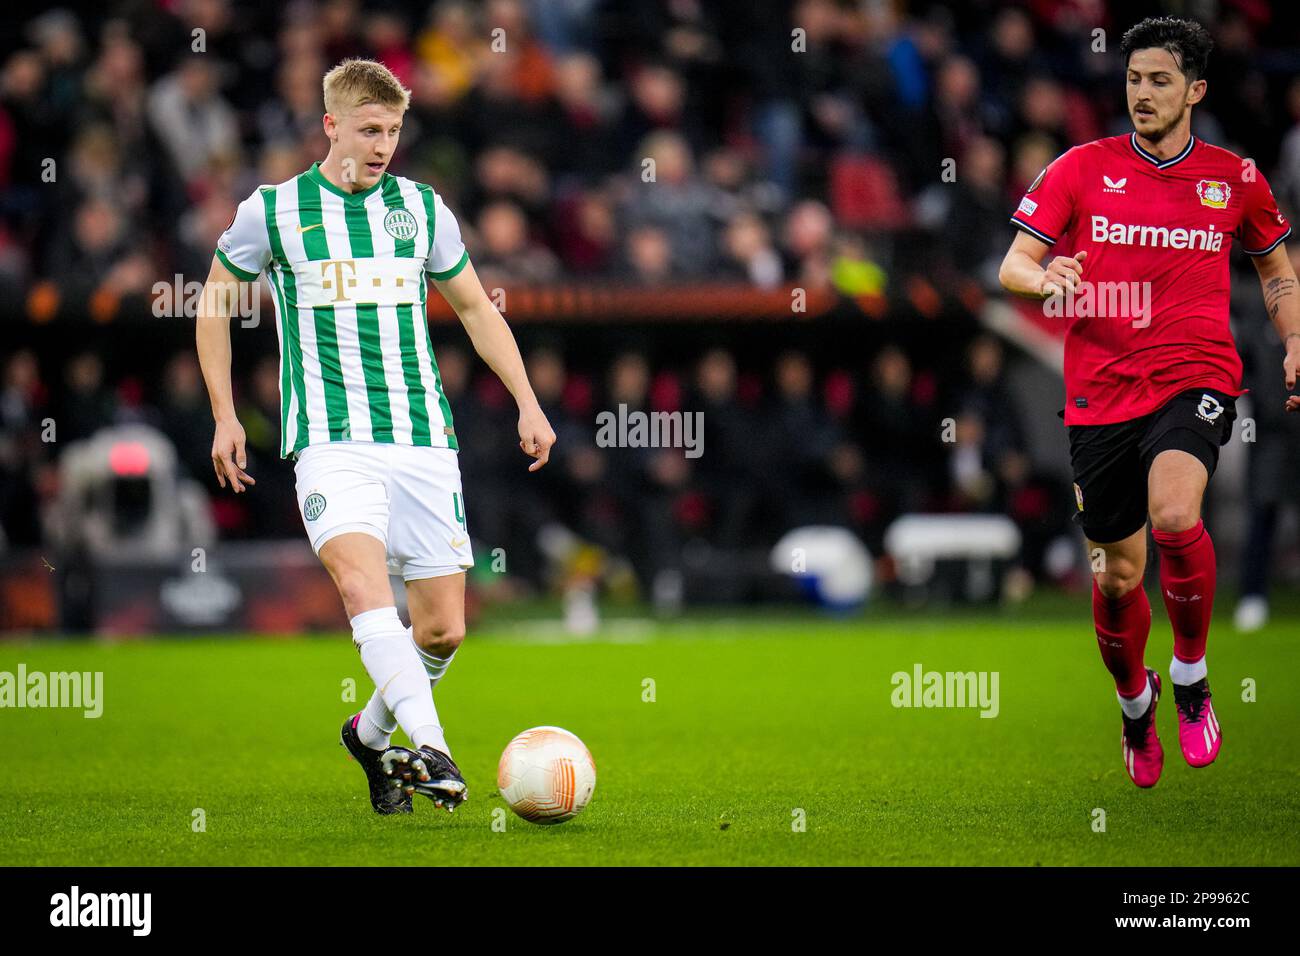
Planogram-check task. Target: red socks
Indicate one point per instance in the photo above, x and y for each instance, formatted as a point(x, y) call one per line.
point(1187, 572)
point(1123, 624)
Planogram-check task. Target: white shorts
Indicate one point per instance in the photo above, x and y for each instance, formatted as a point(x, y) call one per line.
point(407, 496)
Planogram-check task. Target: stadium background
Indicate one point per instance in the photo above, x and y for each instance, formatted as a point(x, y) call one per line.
point(800, 270)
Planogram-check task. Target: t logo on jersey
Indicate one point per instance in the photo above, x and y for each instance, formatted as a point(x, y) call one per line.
point(1214, 193)
point(1209, 409)
point(338, 282)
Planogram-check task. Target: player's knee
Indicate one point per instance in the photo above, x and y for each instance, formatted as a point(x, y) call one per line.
point(1118, 576)
point(1173, 516)
point(439, 638)
point(1114, 584)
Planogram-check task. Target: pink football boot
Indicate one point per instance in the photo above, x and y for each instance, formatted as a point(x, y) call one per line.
point(1144, 758)
point(1198, 728)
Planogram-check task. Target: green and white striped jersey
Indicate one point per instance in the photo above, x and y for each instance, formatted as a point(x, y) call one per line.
point(347, 273)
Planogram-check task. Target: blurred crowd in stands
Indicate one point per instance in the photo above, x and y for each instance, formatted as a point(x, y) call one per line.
point(829, 144)
point(801, 142)
point(784, 445)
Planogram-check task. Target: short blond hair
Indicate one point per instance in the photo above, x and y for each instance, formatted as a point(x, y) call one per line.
point(356, 83)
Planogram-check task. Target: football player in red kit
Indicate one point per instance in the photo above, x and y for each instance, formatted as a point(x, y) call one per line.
point(1148, 220)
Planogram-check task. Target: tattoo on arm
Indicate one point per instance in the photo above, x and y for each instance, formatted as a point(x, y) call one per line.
point(1275, 290)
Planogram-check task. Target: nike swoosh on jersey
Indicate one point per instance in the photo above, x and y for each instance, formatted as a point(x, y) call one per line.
point(315, 225)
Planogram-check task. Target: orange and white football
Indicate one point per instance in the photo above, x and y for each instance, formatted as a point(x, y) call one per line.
point(547, 775)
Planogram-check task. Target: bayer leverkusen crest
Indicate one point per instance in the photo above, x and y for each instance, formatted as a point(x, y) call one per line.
point(1213, 193)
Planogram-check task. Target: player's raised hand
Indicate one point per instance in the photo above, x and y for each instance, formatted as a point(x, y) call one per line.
point(1062, 273)
point(535, 435)
point(228, 456)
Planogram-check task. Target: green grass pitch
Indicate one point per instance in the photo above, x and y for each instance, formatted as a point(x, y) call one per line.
point(753, 720)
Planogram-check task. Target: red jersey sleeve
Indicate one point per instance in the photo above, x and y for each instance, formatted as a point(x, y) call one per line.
point(1047, 209)
point(1262, 224)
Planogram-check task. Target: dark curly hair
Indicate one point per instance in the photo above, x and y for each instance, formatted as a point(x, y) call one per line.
point(1187, 40)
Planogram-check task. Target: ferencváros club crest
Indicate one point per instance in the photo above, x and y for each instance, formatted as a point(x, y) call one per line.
point(313, 506)
point(400, 224)
point(1214, 193)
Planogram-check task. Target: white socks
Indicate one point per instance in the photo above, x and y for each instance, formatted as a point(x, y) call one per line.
point(376, 726)
point(1180, 672)
point(377, 723)
point(391, 660)
point(435, 667)
point(1135, 707)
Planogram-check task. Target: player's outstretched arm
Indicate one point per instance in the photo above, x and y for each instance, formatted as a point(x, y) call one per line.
point(1021, 273)
point(495, 344)
point(1282, 300)
point(212, 336)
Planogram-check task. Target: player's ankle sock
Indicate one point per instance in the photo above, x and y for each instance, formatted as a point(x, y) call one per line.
point(1122, 625)
point(376, 726)
point(1187, 672)
point(430, 736)
point(392, 663)
point(1135, 707)
point(1187, 569)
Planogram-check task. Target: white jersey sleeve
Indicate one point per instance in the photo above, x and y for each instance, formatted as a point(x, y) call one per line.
point(447, 256)
point(245, 247)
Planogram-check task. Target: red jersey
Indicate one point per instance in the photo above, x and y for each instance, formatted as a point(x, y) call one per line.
point(1151, 319)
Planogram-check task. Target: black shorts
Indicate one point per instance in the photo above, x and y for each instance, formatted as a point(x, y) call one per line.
point(1111, 462)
